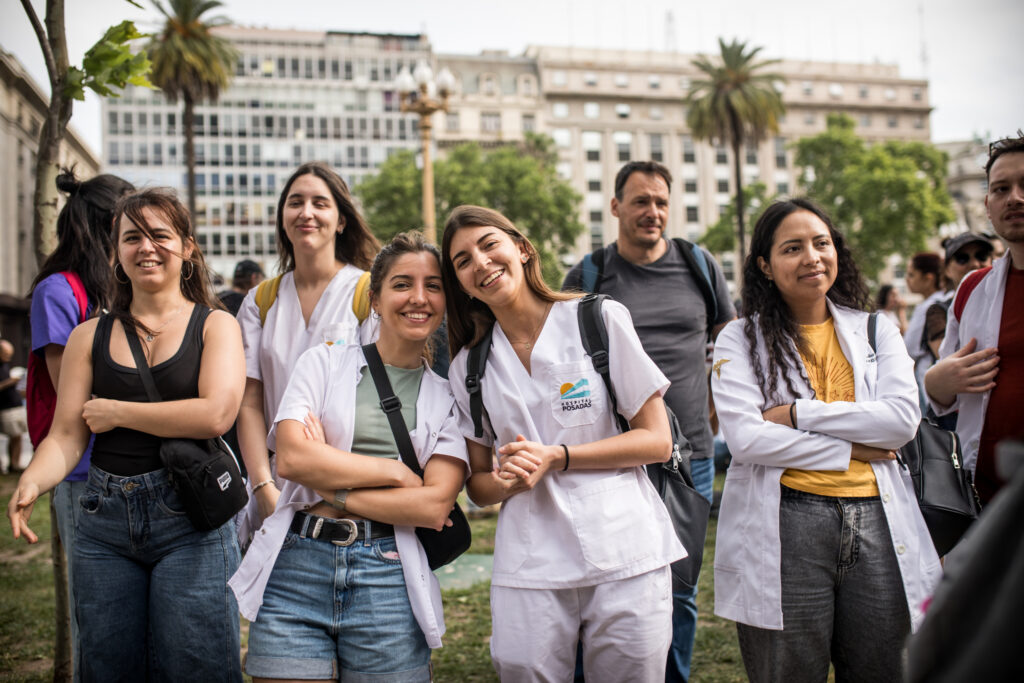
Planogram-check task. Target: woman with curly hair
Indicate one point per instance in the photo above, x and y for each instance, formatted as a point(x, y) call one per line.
point(822, 553)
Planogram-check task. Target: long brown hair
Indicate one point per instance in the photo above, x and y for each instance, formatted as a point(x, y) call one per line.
point(195, 287)
point(355, 245)
point(469, 318)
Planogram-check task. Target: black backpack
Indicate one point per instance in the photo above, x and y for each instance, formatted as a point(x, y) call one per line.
point(672, 479)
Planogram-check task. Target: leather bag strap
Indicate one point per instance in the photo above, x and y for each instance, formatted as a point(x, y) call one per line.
point(392, 407)
point(140, 362)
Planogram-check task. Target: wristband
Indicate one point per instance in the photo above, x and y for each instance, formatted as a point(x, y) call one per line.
point(792, 414)
point(566, 449)
point(340, 496)
point(260, 485)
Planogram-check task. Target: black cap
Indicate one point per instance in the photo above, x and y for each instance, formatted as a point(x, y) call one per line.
point(247, 268)
point(955, 244)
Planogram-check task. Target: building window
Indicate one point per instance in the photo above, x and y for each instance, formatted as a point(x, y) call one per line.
point(863, 92)
point(893, 121)
point(782, 188)
point(560, 110)
point(809, 118)
point(654, 82)
point(657, 148)
point(689, 152)
point(751, 154)
point(529, 123)
point(113, 153)
point(692, 215)
point(689, 185)
point(918, 122)
point(621, 80)
point(558, 78)
point(490, 122)
point(593, 186)
point(593, 155)
point(591, 110)
point(890, 94)
point(591, 141)
point(723, 185)
point(655, 112)
point(917, 94)
point(835, 90)
point(451, 122)
point(623, 145)
point(590, 78)
point(561, 136)
point(808, 88)
point(865, 120)
point(721, 157)
point(488, 86)
point(780, 153)
point(684, 83)
point(622, 111)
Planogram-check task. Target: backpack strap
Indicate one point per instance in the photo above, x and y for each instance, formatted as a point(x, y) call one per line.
point(476, 363)
point(872, 331)
point(593, 268)
point(963, 293)
point(78, 289)
point(266, 295)
point(700, 269)
point(594, 335)
point(361, 297)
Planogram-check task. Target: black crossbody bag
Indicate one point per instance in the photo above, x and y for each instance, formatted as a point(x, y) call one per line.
point(204, 472)
point(441, 546)
point(945, 492)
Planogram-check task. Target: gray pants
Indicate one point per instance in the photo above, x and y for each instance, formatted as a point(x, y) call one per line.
point(842, 596)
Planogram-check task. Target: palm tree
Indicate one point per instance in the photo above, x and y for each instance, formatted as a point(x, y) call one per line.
point(735, 103)
point(191, 63)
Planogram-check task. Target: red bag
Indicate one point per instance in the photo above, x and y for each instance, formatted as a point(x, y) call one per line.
point(40, 394)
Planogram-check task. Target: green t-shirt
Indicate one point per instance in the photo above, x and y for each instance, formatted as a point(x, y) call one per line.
point(373, 435)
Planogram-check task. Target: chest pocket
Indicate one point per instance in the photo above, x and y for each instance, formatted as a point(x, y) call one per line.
point(577, 394)
point(343, 333)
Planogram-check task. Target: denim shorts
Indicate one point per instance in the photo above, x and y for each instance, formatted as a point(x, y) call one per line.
point(151, 592)
point(330, 611)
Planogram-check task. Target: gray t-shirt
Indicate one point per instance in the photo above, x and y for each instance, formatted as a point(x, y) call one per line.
point(671, 320)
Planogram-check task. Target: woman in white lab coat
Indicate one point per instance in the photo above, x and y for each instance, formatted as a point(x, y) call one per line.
point(822, 553)
point(583, 544)
point(325, 246)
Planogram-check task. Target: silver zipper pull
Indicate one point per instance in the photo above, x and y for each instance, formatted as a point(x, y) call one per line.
point(956, 460)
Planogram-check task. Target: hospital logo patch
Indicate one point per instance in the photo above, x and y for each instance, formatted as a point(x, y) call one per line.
point(575, 396)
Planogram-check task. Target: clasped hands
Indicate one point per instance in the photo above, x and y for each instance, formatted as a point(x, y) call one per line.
point(522, 463)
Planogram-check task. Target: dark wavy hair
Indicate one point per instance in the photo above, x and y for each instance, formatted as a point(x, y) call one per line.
point(195, 287)
point(84, 245)
point(355, 245)
point(469, 318)
point(411, 242)
point(768, 315)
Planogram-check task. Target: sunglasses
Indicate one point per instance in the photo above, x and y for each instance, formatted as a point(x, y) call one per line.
point(982, 255)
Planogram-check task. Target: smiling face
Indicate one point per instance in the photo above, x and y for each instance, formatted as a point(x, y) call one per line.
point(802, 262)
point(310, 215)
point(411, 301)
point(488, 264)
point(153, 257)
point(643, 210)
point(1005, 198)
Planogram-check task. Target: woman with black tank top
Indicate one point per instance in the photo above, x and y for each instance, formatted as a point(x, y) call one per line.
point(152, 593)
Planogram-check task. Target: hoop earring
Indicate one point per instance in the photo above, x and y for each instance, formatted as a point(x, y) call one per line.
point(375, 314)
point(191, 270)
point(125, 280)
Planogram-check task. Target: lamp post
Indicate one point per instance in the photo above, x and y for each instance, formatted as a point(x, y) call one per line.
point(422, 95)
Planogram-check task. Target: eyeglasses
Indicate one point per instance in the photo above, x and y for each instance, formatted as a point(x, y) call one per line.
point(982, 255)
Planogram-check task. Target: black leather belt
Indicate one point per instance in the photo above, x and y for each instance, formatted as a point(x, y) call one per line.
point(343, 532)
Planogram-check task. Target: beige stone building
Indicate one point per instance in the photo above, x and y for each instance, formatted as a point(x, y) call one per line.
point(22, 109)
point(967, 185)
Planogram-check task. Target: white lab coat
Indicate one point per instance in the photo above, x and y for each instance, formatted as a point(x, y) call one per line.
point(980, 319)
point(581, 527)
point(323, 383)
point(886, 414)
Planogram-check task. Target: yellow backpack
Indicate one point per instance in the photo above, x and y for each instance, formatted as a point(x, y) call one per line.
point(266, 295)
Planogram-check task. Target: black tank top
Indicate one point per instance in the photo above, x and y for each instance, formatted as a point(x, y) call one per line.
point(129, 452)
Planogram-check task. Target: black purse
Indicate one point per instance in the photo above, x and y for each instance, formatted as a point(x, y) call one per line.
point(441, 546)
point(945, 492)
point(688, 509)
point(204, 472)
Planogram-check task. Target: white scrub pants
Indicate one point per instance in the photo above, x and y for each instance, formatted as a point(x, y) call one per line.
point(625, 627)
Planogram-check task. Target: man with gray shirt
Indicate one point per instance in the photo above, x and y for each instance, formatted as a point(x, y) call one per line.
point(666, 296)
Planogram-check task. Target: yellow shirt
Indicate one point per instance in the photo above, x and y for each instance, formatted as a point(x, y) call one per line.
point(832, 380)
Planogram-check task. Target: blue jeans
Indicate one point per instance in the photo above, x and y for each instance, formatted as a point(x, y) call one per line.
point(152, 596)
point(842, 596)
point(65, 506)
point(684, 603)
point(330, 611)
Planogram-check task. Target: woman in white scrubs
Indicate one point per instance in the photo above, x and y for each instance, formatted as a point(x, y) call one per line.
point(584, 543)
point(324, 246)
point(822, 553)
point(336, 584)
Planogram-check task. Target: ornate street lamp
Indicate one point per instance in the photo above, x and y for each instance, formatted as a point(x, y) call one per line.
point(421, 94)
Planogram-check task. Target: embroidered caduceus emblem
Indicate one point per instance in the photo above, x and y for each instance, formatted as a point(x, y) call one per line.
point(717, 367)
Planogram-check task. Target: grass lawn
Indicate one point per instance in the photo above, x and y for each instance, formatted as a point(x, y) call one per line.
point(26, 603)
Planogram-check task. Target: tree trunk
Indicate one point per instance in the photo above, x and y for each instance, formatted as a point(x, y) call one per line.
point(188, 121)
point(740, 232)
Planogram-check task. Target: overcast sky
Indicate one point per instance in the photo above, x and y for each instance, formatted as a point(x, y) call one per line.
point(969, 50)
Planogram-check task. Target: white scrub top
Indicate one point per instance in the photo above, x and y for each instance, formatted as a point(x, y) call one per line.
point(323, 383)
point(272, 349)
point(581, 527)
